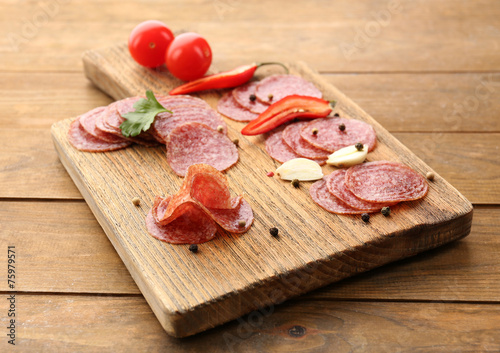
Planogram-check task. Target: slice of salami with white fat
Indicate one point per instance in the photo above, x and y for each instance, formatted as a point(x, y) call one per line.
point(112, 118)
point(169, 102)
point(83, 141)
point(328, 136)
point(276, 87)
point(229, 107)
point(385, 181)
point(194, 143)
point(242, 95)
point(277, 148)
point(291, 136)
point(165, 122)
point(324, 198)
point(193, 226)
point(235, 220)
point(89, 123)
point(335, 183)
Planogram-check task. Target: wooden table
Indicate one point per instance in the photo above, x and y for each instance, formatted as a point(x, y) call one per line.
point(428, 71)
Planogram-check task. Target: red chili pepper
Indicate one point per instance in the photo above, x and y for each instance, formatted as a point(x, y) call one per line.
point(226, 79)
point(286, 109)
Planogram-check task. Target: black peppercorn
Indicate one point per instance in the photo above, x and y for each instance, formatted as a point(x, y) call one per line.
point(193, 248)
point(359, 146)
point(342, 127)
point(253, 97)
point(386, 211)
point(273, 231)
point(295, 183)
point(336, 114)
point(365, 217)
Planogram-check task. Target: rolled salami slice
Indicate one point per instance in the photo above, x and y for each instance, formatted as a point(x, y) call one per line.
point(331, 138)
point(242, 95)
point(292, 137)
point(83, 141)
point(229, 107)
point(385, 181)
point(276, 87)
point(165, 122)
point(335, 183)
point(193, 226)
point(324, 198)
point(277, 148)
point(194, 143)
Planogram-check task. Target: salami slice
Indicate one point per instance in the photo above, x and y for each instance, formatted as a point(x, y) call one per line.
point(324, 198)
point(202, 200)
point(335, 183)
point(202, 186)
point(89, 121)
point(193, 226)
point(242, 95)
point(276, 87)
point(385, 181)
point(104, 122)
point(228, 106)
point(169, 102)
point(211, 190)
point(193, 143)
point(291, 136)
point(112, 119)
point(82, 140)
point(165, 122)
point(331, 138)
point(277, 148)
point(235, 220)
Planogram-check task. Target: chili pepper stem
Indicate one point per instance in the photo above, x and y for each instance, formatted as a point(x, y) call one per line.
point(274, 63)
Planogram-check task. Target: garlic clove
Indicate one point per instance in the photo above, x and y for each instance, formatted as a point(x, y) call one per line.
point(302, 169)
point(347, 156)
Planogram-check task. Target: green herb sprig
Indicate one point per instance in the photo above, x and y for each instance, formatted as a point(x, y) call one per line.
point(143, 116)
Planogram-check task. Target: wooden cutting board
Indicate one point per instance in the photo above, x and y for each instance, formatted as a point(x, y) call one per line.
point(236, 274)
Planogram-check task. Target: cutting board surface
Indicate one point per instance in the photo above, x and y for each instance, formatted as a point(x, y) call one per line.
point(235, 274)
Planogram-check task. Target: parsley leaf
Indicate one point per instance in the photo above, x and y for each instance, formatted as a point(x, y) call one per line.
point(143, 116)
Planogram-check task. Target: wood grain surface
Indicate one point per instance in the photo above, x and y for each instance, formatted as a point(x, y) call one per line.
point(316, 247)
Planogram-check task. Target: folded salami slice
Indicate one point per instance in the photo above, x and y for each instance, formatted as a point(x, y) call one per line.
point(277, 148)
point(291, 136)
point(331, 138)
point(203, 184)
point(194, 143)
point(165, 122)
point(205, 196)
point(385, 181)
point(84, 141)
point(229, 107)
point(238, 219)
point(276, 87)
point(335, 183)
point(193, 226)
point(324, 198)
point(242, 95)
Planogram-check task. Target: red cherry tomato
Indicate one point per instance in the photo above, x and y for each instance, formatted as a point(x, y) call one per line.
point(189, 56)
point(148, 43)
